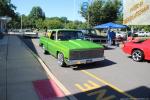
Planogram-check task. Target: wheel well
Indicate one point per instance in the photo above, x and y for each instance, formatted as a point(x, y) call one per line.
point(136, 49)
point(41, 44)
point(57, 53)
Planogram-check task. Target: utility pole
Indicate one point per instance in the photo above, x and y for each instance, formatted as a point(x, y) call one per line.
point(89, 3)
point(21, 23)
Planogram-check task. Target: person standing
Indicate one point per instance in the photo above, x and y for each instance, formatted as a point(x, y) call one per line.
point(113, 37)
point(109, 37)
point(45, 33)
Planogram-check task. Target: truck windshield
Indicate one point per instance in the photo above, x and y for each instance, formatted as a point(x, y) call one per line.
point(70, 35)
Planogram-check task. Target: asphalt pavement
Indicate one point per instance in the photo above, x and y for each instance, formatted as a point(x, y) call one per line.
point(117, 77)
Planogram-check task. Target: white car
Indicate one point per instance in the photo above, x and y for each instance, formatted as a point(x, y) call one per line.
point(121, 34)
point(142, 33)
point(30, 33)
point(147, 33)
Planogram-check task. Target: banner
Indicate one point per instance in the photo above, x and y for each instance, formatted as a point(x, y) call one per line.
point(136, 12)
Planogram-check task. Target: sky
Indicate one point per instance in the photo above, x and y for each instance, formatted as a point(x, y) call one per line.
point(52, 8)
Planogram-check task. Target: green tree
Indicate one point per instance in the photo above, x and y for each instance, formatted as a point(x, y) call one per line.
point(101, 11)
point(82, 26)
point(15, 22)
point(37, 13)
point(7, 9)
point(40, 23)
point(71, 25)
point(53, 24)
point(64, 20)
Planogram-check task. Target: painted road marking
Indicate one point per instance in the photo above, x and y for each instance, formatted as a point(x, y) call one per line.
point(106, 83)
point(95, 90)
point(87, 86)
point(101, 95)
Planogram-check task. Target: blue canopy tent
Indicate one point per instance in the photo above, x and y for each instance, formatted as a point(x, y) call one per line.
point(110, 25)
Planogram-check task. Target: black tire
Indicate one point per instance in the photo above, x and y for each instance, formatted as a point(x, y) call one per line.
point(44, 50)
point(137, 55)
point(60, 60)
point(40, 45)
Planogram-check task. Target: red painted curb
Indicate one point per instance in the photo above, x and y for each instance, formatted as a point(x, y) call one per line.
point(47, 89)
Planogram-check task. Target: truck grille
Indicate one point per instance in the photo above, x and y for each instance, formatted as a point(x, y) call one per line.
point(86, 54)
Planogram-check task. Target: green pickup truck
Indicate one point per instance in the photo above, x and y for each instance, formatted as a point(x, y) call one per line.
point(70, 48)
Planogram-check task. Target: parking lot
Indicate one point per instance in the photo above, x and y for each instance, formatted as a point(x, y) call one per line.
point(117, 77)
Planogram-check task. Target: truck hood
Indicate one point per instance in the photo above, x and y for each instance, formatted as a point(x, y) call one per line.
point(78, 44)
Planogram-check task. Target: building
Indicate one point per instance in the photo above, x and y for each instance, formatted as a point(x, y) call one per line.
point(3, 22)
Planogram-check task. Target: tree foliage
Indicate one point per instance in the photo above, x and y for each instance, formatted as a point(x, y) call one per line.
point(53, 24)
point(37, 13)
point(101, 11)
point(36, 19)
point(7, 9)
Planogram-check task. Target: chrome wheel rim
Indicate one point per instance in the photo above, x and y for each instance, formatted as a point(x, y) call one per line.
point(60, 59)
point(137, 55)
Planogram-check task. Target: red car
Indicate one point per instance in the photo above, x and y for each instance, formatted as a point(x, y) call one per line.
point(138, 50)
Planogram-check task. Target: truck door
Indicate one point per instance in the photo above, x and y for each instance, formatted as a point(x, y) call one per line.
point(51, 43)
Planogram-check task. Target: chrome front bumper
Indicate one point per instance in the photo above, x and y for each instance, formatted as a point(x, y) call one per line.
point(83, 61)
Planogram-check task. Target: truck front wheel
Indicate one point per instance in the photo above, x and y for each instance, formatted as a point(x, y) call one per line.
point(60, 60)
point(44, 50)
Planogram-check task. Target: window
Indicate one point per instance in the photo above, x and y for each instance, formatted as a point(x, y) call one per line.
point(70, 35)
point(53, 35)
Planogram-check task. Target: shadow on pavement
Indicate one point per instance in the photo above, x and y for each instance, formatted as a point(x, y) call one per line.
point(29, 43)
point(1, 36)
point(109, 48)
point(108, 93)
point(140, 92)
point(100, 64)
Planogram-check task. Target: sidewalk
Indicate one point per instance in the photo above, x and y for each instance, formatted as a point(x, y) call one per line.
point(18, 70)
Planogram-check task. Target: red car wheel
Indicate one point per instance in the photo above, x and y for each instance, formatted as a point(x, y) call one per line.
point(137, 55)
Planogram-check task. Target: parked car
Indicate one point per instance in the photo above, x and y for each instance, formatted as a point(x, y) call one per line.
point(30, 33)
point(91, 35)
point(147, 33)
point(121, 35)
point(69, 47)
point(139, 50)
point(142, 33)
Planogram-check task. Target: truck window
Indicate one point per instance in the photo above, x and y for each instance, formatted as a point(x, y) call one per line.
point(53, 35)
